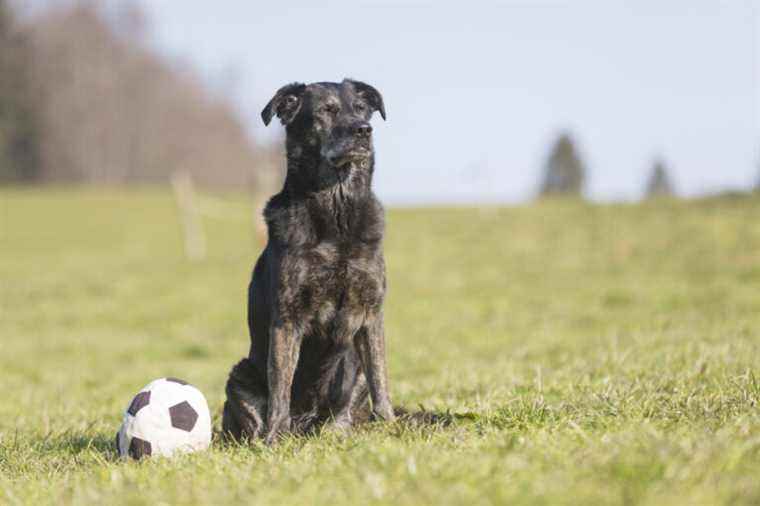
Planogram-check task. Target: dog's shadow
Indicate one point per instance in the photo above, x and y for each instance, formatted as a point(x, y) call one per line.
point(407, 421)
point(104, 444)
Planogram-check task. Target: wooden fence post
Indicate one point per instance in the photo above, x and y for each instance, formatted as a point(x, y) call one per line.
point(192, 228)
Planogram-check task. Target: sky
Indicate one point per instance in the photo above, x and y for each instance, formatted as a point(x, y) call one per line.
point(477, 91)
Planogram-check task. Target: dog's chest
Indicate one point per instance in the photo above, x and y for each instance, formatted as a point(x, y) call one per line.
point(340, 284)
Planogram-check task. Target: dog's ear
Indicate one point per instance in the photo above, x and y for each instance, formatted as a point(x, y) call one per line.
point(285, 104)
point(371, 95)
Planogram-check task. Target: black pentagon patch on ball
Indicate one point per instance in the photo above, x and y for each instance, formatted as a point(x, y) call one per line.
point(177, 380)
point(140, 401)
point(183, 416)
point(139, 448)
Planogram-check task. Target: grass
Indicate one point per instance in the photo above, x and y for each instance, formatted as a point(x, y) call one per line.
point(596, 354)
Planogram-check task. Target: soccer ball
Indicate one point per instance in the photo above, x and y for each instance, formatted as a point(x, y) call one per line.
point(165, 417)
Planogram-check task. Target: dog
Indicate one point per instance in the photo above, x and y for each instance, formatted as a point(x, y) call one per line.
point(315, 300)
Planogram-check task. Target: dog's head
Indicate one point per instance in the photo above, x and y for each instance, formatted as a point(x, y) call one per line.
point(329, 121)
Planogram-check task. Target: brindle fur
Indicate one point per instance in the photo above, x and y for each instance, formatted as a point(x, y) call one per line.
point(315, 303)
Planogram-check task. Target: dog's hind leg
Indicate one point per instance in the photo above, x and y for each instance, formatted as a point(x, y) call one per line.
point(246, 405)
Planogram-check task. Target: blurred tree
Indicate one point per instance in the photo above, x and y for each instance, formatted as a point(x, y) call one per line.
point(19, 149)
point(659, 184)
point(564, 173)
point(112, 111)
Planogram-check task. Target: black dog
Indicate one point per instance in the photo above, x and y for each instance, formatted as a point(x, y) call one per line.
point(315, 301)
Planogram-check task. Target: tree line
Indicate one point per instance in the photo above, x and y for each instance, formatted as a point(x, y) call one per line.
point(565, 173)
point(83, 100)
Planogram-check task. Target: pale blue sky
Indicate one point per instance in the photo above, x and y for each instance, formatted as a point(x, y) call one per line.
point(476, 91)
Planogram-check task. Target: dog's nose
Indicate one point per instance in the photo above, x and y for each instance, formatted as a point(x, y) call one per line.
point(362, 129)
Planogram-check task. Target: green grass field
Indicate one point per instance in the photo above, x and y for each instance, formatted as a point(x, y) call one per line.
point(597, 354)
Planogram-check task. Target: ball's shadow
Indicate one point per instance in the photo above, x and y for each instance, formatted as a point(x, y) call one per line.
point(75, 444)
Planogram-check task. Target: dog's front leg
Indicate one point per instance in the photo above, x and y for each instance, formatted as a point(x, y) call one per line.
point(284, 347)
point(370, 343)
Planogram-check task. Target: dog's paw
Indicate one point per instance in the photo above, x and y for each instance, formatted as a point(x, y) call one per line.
point(277, 431)
point(272, 438)
point(338, 426)
point(383, 414)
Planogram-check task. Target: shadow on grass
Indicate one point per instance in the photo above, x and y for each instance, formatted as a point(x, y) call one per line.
point(426, 418)
point(407, 421)
point(77, 443)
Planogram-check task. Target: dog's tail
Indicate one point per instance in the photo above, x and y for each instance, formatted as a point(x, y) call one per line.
point(422, 417)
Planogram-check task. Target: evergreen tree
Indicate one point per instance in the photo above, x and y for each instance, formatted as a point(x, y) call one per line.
point(659, 184)
point(564, 173)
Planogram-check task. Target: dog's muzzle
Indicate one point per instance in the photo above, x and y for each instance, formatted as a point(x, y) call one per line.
point(353, 147)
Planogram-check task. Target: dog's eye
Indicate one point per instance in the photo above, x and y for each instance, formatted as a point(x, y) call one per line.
point(360, 106)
